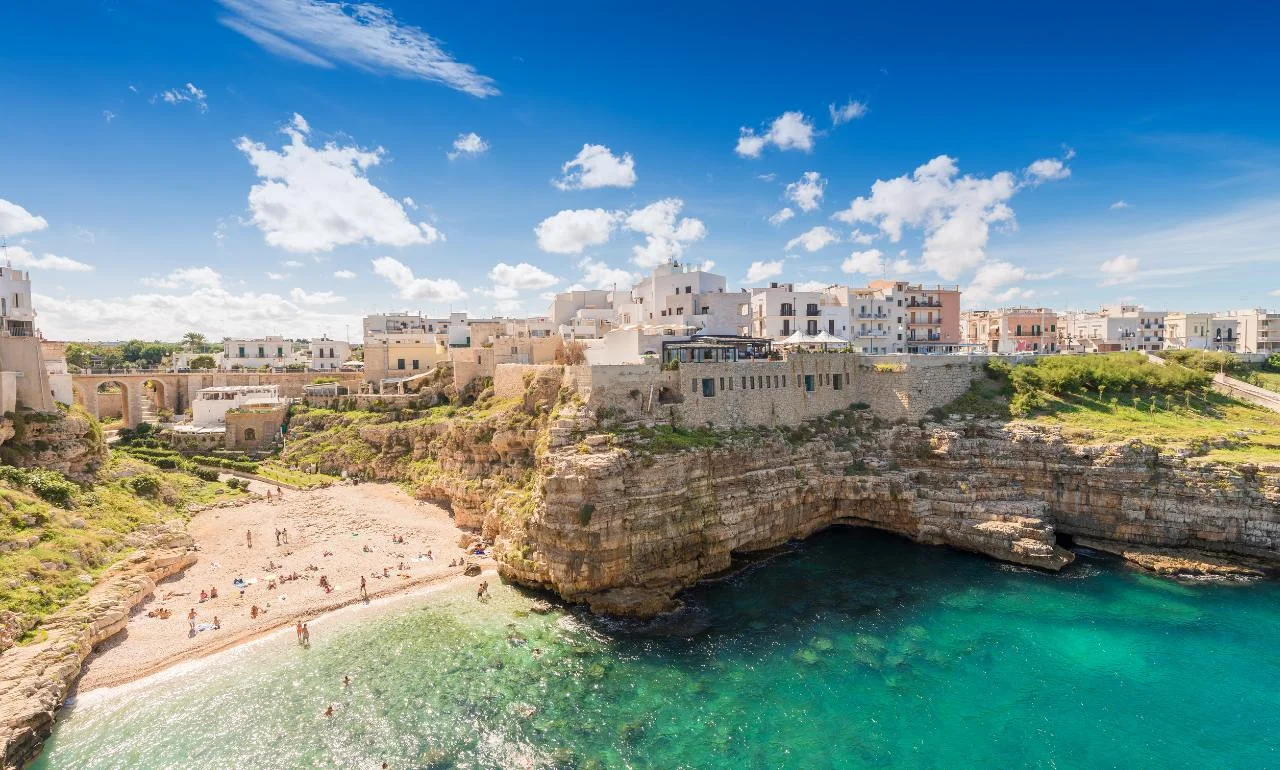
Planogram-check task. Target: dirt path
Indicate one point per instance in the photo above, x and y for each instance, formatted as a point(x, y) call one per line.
point(341, 521)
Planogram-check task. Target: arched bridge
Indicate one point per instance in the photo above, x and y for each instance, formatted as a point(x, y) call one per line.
point(168, 391)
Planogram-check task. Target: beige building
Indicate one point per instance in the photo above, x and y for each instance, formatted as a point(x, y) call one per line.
point(1011, 330)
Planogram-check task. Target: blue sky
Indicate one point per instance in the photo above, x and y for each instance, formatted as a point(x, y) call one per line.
point(1065, 157)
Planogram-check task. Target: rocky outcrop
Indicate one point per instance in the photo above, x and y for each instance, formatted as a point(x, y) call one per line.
point(35, 678)
point(69, 443)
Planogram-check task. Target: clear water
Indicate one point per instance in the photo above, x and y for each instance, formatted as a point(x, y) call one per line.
point(855, 649)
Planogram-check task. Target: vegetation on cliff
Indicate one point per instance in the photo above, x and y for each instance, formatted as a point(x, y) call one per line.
point(1125, 397)
point(56, 536)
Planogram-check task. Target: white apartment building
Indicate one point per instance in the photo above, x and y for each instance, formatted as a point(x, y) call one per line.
point(1188, 331)
point(257, 352)
point(17, 316)
point(1257, 330)
point(779, 311)
point(1115, 328)
point(328, 355)
point(868, 317)
point(1224, 331)
point(681, 299)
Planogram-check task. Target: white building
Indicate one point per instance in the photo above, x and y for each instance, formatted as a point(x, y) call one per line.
point(17, 316)
point(870, 318)
point(1115, 328)
point(1224, 330)
point(328, 355)
point(1257, 330)
point(682, 299)
point(1188, 331)
point(55, 364)
point(257, 352)
point(210, 407)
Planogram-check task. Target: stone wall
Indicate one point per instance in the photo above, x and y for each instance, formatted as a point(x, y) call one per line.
point(253, 429)
point(775, 393)
point(512, 380)
point(291, 383)
point(23, 355)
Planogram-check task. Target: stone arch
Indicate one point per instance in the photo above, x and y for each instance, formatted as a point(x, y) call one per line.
point(250, 434)
point(128, 401)
point(160, 392)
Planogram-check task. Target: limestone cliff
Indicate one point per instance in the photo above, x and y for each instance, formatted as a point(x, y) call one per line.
point(69, 443)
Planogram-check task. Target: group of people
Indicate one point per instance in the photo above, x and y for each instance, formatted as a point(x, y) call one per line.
point(212, 593)
point(303, 633)
point(282, 536)
point(278, 496)
point(191, 621)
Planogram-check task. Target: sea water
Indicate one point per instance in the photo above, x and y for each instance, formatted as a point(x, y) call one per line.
point(855, 649)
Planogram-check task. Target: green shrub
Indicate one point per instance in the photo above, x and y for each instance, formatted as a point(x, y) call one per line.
point(145, 485)
point(46, 484)
point(205, 474)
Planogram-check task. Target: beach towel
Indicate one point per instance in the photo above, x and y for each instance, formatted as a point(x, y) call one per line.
point(204, 627)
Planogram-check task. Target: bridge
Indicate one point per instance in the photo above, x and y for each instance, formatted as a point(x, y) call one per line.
point(174, 391)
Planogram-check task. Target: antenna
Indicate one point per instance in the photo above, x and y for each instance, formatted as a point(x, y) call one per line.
point(4, 250)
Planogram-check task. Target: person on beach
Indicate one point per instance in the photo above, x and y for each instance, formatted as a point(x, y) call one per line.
point(216, 623)
point(346, 681)
point(306, 636)
point(284, 532)
point(213, 592)
point(191, 620)
point(253, 612)
point(279, 494)
point(483, 591)
point(248, 539)
point(329, 711)
point(364, 588)
point(297, 631)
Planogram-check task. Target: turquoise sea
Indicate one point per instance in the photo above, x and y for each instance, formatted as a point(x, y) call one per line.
point(854, 649)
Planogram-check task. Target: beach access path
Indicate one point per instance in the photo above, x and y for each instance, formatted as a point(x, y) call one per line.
point(342, 521)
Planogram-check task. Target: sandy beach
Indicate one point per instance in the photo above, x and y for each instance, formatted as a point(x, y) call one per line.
point(344, 532)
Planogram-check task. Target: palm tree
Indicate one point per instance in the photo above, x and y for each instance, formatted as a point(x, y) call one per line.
point(194, 341)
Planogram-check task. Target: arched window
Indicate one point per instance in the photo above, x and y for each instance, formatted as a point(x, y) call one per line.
point(250, 434)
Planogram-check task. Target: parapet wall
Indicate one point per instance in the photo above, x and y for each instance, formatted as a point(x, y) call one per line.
point(776, 393)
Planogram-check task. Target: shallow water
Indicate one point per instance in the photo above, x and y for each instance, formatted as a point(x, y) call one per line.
point(856, 649)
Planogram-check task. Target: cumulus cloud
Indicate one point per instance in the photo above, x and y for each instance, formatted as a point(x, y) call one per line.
point(346, 275)
point(596, 166)
point(991, 284)
point(364, 35)
point(573, 230)
point(870, 262)
point(780, 216)
point(807, 192)
point(408, 286)
point(788, 131)
point(1119, 205)
point(666, 233)
point(760, 271)
point(1047, 170)
point(15, 220)
point(861, 238)
point(187, 93)
point(303, 297)
point(190, 277)
point(20, 257)
point(273, 276)
point(314, 199)
point(291, 263)
point(955, 212)
point(814, 239)
point(521, 277)
point(1118, 270)
point(852, 110)
point(466, 144)
point(598, 275)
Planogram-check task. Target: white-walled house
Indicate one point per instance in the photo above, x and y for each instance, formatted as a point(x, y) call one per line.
point(256, 352)
point(328, 355)
point(210, 406)
point(17, 316)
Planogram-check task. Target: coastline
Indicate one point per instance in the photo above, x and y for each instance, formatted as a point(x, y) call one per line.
point(326, 615)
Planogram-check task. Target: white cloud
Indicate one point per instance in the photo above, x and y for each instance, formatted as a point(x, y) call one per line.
point(780, 216)
point(666, 235)
point(955, 212)
point(193, 277)
point(766, 177)
point(1274, 292)
point(164, 315)
point(1047, 170)
point(1119, 205)
point(15, 220)
point(852, 110)
point(291, 263)
point(573, 230)
point(409, 203)
point(812, 285)
point(521, 277)
point(316, 198)
point(987, 285)
point(275, 276)
point(345, 275)
point(109, 116)
point(807, 192)
point(788, 131)
point(595, 166)
point(814, 239)
point(759, 271)
point(187, 93)
point(466, 144)
point(20, 257)
point(861, 238)
point(364, 35)
point(303, 297)
point(409, 286)
point(870, 262)
point(1118, 270)
point(598, 275)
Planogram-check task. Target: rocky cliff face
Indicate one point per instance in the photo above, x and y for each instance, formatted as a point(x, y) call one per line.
point(625, 530)
point(68, 443)
point(34, 679)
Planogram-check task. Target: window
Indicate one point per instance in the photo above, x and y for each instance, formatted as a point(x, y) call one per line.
point(415, 363)
point(721, 383)
point(784, 380)
point(399, 363)
point(688, 290)
point(708, 386)
point(811, 309)
point(808, 383)
point(744, 383)
point(250, 434)
point(831, 326)
point(786, 328)
point(836, 381)
point(811, 327)
point(1018, 331)
point(787, 309)
point(262, 352)
point(242, 351)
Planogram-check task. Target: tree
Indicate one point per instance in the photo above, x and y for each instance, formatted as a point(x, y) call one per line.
point(202, 362)
point(78, 355)
point(193, 341)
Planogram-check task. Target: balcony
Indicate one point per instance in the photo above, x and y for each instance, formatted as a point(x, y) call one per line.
point(923, 322)
point(923, 303)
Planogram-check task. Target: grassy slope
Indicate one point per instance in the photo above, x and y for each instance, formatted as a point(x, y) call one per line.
point(85, 538)
point(1190, 419)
